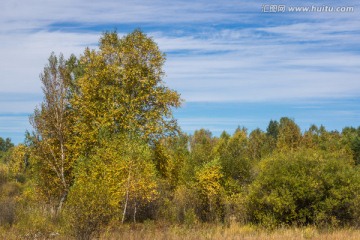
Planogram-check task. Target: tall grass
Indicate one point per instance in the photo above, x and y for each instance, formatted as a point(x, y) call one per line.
point(232, 232)
point(151, 231)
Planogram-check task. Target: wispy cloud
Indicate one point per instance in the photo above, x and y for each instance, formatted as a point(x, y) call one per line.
point(217, 51)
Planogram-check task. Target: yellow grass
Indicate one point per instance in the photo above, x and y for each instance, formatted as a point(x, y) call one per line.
point(233, 232)
point(152, 231)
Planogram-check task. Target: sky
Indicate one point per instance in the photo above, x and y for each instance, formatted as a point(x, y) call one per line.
point(235, 63)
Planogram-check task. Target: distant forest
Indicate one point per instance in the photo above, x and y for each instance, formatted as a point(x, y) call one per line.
point(106, 149)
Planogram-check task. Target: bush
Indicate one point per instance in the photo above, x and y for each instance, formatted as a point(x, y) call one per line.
point(7, 211)
point(117, 182)
point(3, 174)
point(8, 193)
point(304, 187)
point(36, 220)
point(235, 209)
point(185, 202)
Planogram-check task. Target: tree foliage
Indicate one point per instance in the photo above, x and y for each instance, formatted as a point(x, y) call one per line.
point(233, 155)
point(289, 135)
point(209, 187)
point(121, 90)
point(116, 182)
point(5, 144)
point(115, 90)
point(52, 133)
point(304, 187)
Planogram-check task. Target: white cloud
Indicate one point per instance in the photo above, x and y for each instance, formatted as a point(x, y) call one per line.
point(25, 55)
point(218, 50)
point(33, 14)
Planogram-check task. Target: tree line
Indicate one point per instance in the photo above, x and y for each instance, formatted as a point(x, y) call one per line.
point(105, 148)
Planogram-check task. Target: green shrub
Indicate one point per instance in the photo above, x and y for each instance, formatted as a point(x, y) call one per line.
point(190, 217)
point(304, 187)
point(235, 209)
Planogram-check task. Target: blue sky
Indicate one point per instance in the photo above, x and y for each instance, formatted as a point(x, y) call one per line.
point(232, 63)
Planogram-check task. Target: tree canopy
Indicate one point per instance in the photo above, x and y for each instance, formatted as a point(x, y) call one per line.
point(121, 91)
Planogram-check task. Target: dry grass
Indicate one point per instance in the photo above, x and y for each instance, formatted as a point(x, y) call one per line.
point(233, 232)
point(151, 231)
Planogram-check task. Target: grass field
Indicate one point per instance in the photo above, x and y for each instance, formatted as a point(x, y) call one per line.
point(151, 231)
point(247, 232)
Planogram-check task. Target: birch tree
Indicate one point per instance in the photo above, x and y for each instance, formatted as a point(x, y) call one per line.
point(52, 130)
point(122, 90)
point(115, 182)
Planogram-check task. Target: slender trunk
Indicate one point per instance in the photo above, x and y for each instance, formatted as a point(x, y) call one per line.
point(63, 180)
point(135, 213)
point(62, 200)
point(62, 164)
point(211, 211)
point(127, 198)
point(126, 202)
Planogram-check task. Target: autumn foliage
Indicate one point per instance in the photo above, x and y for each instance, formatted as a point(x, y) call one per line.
point(106, 151)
